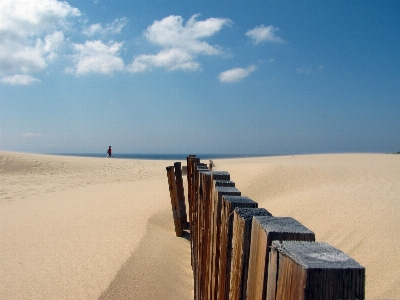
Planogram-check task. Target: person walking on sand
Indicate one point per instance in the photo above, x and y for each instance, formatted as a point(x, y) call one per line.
point(109, 152)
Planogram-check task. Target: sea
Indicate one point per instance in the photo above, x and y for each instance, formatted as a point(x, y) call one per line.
point(158, 156)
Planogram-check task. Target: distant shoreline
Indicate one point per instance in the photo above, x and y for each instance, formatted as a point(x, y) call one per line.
point(154, 156)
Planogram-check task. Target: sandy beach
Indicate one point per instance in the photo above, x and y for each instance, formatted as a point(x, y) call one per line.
point(97, 228)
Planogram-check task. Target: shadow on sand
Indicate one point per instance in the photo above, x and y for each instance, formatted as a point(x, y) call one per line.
point(159, 268)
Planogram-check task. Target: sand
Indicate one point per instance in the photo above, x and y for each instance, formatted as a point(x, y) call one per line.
point(97, 228)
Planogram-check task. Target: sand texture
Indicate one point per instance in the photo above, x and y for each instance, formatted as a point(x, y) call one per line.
point(97, 228)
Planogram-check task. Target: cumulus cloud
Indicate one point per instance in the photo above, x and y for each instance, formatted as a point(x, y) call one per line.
point(96, 57)
point(30, 36)
point(19, 79)
point(110, 28)
point(236, 74)
point(261, 34)
point(170, 59)
point(181, 43)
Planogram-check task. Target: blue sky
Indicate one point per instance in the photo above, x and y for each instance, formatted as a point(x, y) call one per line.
point(237, 77)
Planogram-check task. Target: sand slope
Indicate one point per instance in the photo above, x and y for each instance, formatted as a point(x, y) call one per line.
point(351, 201)
point(96, 228)
point(70, 226)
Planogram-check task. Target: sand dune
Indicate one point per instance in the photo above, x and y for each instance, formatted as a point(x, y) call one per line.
point(96, 228)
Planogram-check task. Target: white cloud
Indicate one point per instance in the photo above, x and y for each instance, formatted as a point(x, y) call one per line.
point(97, 57)
point(110, 28)
point(181, 43)
point(261, 34)
point(170, 59)
point(19, 79)
point(31, 35)
point(236, 74)
point(171, 33)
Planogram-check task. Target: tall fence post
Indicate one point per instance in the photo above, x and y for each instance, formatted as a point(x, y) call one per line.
point(229, 203)
point(242, 221)
point(174, 201)
point(210, 179)
point(180, 194)
point(219, 191)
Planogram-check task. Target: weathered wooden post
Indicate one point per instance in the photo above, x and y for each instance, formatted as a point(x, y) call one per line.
point(219, 191)
point(191, 160)
point(229, 203)
point(174, 201)
point(242, 221)
point(264, 231)
point(307, 270)
point(196, 234)
point(210, 179)
point(199, 227)
point(180, 194)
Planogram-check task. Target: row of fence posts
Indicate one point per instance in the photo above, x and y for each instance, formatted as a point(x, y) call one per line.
point(240, 251)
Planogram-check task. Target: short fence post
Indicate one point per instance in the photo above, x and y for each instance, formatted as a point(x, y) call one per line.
point(174, 201)
point(315, 271)
point(264, 231)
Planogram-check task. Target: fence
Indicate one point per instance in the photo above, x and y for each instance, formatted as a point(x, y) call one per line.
point(240, 251)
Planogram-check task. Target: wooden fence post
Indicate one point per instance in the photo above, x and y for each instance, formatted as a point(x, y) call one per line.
point(219, 191)
point(196, 234)
point(264, 231)
point(218, 178)
point(180, 194)
point(242, 221)
point(191, 160)
point(307, 270)
point(229, 203)
point(174, 201)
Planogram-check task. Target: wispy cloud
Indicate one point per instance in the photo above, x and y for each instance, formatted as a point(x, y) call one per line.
point(31, 135)
point(180, 43)
point(303, 70)
point(96, 57)
point(261, 34)
point(31, 36)
point(236, 74)
point(306, 70)
point(110, 28)
point(19, 79)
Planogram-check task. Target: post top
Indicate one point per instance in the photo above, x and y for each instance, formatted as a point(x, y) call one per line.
point(238, 199)
point(248, 213)
point(315, 255)
point(281, 224)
